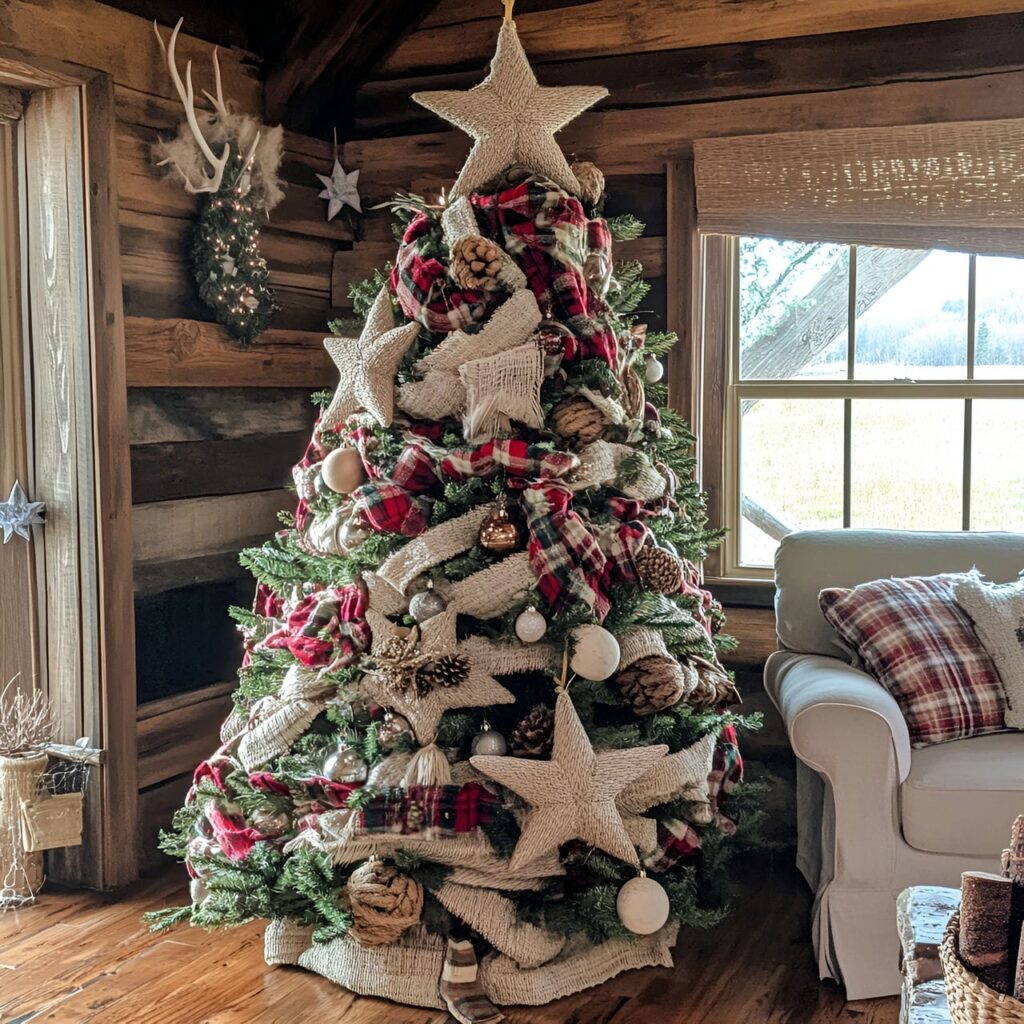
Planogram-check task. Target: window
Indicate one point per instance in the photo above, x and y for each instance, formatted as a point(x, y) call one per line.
point(867, 386)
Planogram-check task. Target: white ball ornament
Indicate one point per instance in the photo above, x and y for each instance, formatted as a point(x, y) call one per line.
point(596, 654)
point(654, 370)
point(530, 626)
point(642, 905)
point(342, 470)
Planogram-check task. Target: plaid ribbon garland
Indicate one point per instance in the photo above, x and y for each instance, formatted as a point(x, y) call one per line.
point(327, 628)
point(423, 288)
point(548, 235)
point(517, 458)
point(430, 812)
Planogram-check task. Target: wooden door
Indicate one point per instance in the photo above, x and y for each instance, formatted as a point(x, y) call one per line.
point(66, 624)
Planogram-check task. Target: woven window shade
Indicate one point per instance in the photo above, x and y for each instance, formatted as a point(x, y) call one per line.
point(946, 186)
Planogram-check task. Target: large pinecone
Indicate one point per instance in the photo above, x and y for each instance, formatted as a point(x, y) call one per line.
point(475, 263)
point(659, 570)
point(533, 736)
point(714, 686)
point(654, 683)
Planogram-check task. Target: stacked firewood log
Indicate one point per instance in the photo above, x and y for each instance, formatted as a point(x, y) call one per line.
point(991, 920)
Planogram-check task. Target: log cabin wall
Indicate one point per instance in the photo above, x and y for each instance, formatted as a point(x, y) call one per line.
point(678, 70)
point(214, 428)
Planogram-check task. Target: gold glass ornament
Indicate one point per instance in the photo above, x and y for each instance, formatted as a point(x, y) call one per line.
point(499, 533)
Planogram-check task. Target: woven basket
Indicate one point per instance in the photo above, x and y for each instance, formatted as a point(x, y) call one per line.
point(970, 1000)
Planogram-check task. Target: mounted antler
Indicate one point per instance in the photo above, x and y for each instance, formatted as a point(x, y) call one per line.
point(211, 182)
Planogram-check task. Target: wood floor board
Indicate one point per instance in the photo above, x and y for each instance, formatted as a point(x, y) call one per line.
point(86, 958)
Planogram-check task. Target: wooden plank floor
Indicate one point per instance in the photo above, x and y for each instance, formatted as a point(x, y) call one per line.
point(87, 959)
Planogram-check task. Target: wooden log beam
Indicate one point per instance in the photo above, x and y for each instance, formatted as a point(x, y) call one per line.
point(623, 143)
point(333, 49)
point(190, 353)
point(964, 47)
point(122, 45)
point(563, 31)
point(167, 530)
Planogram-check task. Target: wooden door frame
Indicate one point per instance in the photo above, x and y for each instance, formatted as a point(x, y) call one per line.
point(109, 853)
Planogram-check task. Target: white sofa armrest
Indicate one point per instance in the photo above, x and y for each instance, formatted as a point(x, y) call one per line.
point(846, 728)
point(810, 689)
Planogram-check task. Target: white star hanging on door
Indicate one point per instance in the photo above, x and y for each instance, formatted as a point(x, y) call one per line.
point(17, 513)
point(340, 190)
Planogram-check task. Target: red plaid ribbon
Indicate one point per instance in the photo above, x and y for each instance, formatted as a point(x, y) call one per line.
point(327, 628)
point(548, 235)
point(517, 458)
point(423, 288)
point(427, 811)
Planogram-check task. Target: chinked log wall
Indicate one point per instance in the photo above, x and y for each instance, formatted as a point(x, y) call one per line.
point(680, 70)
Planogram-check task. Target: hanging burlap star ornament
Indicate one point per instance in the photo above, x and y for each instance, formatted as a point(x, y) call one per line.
point(512, 119)
point(421, 673)
point(572, 796)
point(368, 364)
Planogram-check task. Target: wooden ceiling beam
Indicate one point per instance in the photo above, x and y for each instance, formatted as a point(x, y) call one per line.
point(334, 48)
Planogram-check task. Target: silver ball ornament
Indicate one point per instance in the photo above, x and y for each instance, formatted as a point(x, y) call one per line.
point(530, 626)
point(642, 905)
point(392, 729)
point(488, 741)
point(352, 534)
point(345, 764)
point(596, 654)
point(426, 604)
point(654, 370)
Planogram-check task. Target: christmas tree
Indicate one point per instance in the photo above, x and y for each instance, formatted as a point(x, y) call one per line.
point(481, 717)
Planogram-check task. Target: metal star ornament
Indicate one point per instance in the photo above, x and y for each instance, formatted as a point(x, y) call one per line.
point(17, 513)
point(512, 119)
point(396, 650)
point(340, 190)
point(572, 796)
point(368, 365)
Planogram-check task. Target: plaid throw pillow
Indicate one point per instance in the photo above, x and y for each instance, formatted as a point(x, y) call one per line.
point(916, 640)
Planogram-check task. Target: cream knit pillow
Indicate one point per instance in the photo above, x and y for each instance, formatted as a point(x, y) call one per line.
point(998, 613)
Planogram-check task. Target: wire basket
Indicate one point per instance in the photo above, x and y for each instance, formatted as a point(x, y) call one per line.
point(970, 1000)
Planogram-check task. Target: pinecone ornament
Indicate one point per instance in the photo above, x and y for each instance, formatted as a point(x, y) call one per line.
point(475, 262)
point(383, 902)
point(714, 686)
point(659, 570)
point(533, 736)
point(655, 683)
point(632, 393)
point(591, 180)
point(578, 420)
point(448, 670)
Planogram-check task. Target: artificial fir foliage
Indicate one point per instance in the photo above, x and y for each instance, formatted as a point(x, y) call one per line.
point(384, 627)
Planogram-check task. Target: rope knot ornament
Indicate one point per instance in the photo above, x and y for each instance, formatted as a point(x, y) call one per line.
point(383, 901)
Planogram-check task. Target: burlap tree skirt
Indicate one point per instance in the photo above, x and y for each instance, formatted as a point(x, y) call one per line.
point(407, 971)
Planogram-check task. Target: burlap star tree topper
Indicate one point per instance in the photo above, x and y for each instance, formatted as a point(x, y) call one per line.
point(572, 796)
point(403, 659)
point(512, 119)
point(368, 365)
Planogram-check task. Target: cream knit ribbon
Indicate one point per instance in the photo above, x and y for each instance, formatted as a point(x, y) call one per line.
point(492, 591)
point(500, 389)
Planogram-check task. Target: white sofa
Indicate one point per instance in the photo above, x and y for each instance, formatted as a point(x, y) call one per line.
point(874, 815)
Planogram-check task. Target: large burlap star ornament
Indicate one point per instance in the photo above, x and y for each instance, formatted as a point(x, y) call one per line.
point(398, 655)
point(512, 119)
point(368, 364)
point(572, 796)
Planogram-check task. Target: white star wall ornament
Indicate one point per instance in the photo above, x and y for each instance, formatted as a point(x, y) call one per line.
point(340, 189)
point(368, 365)
point(573, 795)
point(512, 119)
point(17, 513)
